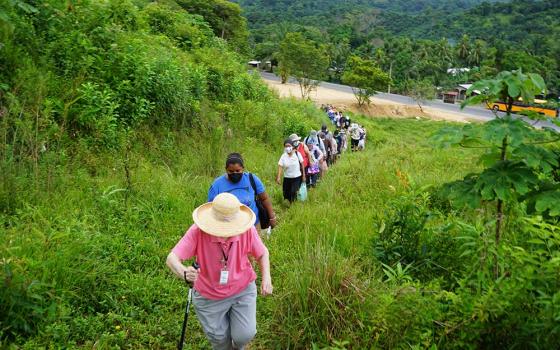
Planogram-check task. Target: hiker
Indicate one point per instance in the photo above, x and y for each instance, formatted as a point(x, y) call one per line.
point(325, 129)
point(329, 147)
point(304, 151)
point(225, 294)
point(316, 140)
point(355, 134)
point(339, 137)
point(291, 164)
point(362, 141)
point(313, 170)
point(331, 113)
point(336, 120)
point(341, 122)
point(238, 182)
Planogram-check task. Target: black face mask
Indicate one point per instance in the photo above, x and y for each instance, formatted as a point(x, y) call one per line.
point(235, 177)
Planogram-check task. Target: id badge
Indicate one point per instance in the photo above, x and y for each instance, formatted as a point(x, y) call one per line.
point(224, 277)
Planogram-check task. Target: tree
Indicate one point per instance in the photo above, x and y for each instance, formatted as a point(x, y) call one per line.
point(463, 48)
point(338, 54)
point(305, 60)
point(476, 54)
point(224, 17)
point(365, 78)
point(421, 91)
point(518, 168)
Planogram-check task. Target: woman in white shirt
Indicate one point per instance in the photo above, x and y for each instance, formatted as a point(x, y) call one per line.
point(291, 164)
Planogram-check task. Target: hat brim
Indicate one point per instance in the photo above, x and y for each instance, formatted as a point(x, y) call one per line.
point(294, 137)
point(207, 222)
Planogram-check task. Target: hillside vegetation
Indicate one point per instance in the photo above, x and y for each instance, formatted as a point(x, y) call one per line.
point(419, 40)
point(322, 12)
point(114, 119)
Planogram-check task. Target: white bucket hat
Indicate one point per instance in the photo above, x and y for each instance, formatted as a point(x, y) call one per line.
point(294, 137)
point(224, 217)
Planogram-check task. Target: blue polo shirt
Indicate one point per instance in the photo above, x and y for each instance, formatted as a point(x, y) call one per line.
point(242, 190)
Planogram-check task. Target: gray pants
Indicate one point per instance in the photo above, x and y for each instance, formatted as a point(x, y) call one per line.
point(231, 319)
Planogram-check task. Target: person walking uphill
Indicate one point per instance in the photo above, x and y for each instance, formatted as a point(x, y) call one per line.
point(222, 238)
point(291, 164)
point(237, 182)
point(304, 151)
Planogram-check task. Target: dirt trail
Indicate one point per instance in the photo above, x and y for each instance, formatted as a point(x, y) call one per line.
point(378, 108)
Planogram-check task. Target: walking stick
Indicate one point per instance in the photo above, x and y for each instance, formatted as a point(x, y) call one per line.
point(189, 300)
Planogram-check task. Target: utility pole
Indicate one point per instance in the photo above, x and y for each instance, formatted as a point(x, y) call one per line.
point(390, 77)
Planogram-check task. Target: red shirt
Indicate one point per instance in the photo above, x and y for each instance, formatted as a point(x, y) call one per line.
point(301, 150)
point(210, 250)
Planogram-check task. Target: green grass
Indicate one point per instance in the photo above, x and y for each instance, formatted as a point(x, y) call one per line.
point(327, 283)
point(87, 259)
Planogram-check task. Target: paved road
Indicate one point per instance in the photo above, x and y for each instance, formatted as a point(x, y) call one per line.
point(474, 112)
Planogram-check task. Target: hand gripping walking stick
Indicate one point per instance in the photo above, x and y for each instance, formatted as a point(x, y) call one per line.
point(189, 301)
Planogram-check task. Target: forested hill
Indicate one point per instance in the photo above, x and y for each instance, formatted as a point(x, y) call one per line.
point(418, 40)
point(532, 24)
point(324, 12)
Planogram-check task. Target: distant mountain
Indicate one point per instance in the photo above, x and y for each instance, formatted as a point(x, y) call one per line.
point(532, 25)
point(322, 12)
point(428, 35)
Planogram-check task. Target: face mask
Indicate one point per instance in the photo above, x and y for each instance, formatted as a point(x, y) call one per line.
point(235, 177)
point(296, 143)
point(288, 149)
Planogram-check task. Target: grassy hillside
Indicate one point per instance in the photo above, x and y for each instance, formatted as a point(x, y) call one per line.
point(115, 117)
point(84, 260)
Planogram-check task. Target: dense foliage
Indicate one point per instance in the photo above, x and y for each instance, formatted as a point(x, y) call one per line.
point(93, 97)
point(263, 12)
point(115, 117)
point(418, 41)
point(365, 78)
point(303, 59)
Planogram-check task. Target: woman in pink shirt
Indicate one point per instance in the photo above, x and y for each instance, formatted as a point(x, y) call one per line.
point(222, 238)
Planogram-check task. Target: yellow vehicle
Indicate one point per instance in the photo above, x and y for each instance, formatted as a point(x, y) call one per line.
point(539, 106)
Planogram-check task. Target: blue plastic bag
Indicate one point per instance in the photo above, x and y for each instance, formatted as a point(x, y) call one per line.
point(302, 193)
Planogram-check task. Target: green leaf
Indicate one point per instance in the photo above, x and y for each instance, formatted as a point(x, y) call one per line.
point(462, 193)
point(514, 87)
point(505, 180)
point(27, 8)
point(548, 201)
point(448, 136)
point(536, 157)
point(537, 81)
point(476, 100)
point(494, 131)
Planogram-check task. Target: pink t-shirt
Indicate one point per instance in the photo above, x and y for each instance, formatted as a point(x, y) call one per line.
point(210, 250)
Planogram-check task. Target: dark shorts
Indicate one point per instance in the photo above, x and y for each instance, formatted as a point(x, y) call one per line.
point(355, 143)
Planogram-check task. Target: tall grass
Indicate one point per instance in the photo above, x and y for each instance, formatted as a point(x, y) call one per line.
point(83, 254)
point(329, 287)
point(83, 247)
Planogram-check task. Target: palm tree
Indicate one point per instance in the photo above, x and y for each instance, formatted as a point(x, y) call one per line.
point(476, 53)
point(463, 48)
point(444, 52)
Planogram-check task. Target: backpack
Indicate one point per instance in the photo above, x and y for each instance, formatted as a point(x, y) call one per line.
point(264, 219)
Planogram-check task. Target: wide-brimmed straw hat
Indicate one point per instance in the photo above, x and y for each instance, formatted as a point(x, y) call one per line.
point(224, 217)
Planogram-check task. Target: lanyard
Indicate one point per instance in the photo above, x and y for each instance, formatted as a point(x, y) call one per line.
point(225, 256)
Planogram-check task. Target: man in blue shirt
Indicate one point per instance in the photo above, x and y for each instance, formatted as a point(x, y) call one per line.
point(238, 183)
